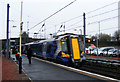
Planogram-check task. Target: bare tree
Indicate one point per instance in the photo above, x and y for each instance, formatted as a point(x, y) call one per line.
point(117, 35)
point(24, 37)
point(104, 37)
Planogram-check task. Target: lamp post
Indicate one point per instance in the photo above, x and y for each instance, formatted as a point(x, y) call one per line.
point(10, 52)
point(20, 56)
point(10, 40)
point(84, 30)
point(7, 43)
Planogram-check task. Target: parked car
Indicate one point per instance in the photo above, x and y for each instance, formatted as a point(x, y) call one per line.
point(113, 52)
point(94, 52)
point(109, 52)
point(90, 49)
point(102, 50)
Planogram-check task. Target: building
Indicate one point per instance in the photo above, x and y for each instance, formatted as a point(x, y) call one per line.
point(15, 41)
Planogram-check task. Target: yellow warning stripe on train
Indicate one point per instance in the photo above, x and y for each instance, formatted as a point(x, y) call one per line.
point(75, 47)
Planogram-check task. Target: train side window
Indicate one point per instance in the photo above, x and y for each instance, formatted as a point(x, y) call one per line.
point(40, 48)
point(49, 48)
point(34, 48)
point(44, 47)
point(55, 48)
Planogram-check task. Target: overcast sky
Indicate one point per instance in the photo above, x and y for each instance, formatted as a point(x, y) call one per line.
point(35, 11)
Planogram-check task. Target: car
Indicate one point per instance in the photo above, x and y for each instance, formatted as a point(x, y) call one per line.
point(94, 52)
point(109, 52)
point(114, 53)
point(102, 50)
point(90, 49)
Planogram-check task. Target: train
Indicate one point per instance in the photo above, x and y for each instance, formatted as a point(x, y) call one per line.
point(65, 49)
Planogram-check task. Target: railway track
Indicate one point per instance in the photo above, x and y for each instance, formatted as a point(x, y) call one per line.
point(103, 67)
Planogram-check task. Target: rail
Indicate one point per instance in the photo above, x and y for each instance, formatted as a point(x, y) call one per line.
point(103, 67)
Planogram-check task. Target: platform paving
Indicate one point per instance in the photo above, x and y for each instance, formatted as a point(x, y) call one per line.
point(39, 70)
point(10, 71)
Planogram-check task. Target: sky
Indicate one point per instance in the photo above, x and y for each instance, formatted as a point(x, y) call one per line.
point(101, 14)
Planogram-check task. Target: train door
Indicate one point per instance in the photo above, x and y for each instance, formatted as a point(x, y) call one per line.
point(74, 49)
point(44, 50)
point(40, 49)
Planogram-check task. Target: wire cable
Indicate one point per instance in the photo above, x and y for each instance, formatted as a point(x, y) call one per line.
point(102, 29)
point(103, 20)
point(94, 22)
point(103, 13)
point(88, 12)
point(82, 15)
point(101, 7)
point(52, 14)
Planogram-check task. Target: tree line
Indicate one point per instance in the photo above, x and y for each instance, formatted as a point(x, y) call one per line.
point(106, 39)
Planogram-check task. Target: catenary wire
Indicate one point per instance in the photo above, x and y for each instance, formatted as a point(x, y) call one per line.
point(52, 15)
point(102, 29)
point(88, 13)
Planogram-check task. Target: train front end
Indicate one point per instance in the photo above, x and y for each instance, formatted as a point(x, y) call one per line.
point(71, 49)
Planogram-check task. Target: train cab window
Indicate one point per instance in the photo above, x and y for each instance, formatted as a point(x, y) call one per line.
point(80, 46)
point(64, 46)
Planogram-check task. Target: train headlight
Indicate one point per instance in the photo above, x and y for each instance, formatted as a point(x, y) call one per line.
point(65, 55)
point(82, 53)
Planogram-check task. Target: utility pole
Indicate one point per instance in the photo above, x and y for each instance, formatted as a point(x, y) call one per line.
point(98, 37)
point(7, 44)
point(99, 28)
point(84, 27)
point(97, 43)
point(28, 28)
point(20, 58)
point(28, 31)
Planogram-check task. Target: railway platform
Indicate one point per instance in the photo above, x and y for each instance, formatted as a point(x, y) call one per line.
point(10, 71)
point(40, 70)
point(45, 70)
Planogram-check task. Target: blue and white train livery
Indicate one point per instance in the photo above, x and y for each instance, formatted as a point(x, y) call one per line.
point(65, 49)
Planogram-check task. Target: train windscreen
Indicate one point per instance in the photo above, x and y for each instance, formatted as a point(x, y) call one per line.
point(64, 46)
